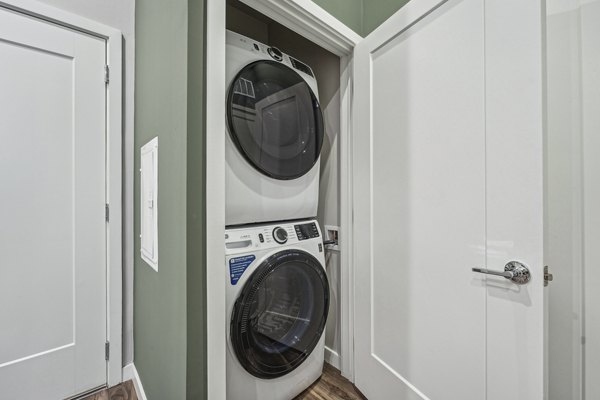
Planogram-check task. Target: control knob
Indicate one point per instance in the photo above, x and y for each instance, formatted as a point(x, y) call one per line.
point(275, 53)
point(280, 235)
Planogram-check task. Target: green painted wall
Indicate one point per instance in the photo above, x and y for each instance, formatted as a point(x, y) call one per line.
point(377, 11)
point(347, 11)
point(362, 16)
point(169, 308)
point(161, 110)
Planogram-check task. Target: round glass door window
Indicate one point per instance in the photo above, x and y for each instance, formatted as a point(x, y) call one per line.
point(280, 314)
point(275, 120)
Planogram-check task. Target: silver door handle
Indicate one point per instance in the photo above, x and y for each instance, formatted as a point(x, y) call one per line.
point(514, 270)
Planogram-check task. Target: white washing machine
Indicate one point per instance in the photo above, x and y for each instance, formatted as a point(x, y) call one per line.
point(275, 134)
point(277, 301)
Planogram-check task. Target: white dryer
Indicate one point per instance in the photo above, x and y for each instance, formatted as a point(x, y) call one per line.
point(275, 135)
point(277, 303)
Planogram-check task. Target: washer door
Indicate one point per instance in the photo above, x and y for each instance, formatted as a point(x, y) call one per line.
point(280, 314)
point(275, 120)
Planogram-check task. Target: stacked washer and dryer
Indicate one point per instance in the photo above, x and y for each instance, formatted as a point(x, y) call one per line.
point(277, 288)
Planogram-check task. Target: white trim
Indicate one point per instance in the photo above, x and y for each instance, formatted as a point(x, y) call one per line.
point(332, 357)
point(564, 6)
point(150, 149)
point(215, 200)
point(114, 171)
point(346, 221)
point(130, 372)
point(56, 15)
point(314, 23)
point(310, 21)
point(114, 125)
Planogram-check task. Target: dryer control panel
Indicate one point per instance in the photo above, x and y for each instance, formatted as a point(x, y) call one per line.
point(235, 39)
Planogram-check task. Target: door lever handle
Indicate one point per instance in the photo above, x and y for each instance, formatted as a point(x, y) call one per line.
point(506, 274)
point(514, 270)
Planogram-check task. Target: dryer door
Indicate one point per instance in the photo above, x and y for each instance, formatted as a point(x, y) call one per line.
point(275, 120)
point(280, 314)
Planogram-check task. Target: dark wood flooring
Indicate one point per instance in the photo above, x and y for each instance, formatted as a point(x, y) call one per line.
point(331, 386)
point(123, 391)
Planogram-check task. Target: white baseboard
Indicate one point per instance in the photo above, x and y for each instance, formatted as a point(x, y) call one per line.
point(332, 357)
point(129, 372)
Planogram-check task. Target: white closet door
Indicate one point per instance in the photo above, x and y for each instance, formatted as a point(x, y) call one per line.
point(52, 229)
point(448, 177)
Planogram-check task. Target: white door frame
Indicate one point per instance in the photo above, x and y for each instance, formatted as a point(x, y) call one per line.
point(314, 23)
point(114, 91)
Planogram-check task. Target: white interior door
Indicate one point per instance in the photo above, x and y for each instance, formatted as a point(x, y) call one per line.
point(52, 230)
point(448, 154)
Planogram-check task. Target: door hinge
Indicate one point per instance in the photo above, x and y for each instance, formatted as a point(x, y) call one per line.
point(106, 74)
point(107, 212)
point(548, 277)
point(107, 350)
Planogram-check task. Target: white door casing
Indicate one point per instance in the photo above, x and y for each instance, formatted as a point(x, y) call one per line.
point(54, 233)
point(448, 136)
point(308, 19)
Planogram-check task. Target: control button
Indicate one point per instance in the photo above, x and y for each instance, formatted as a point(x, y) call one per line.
point(280, 235)
point(275, 53)
point(261, 238)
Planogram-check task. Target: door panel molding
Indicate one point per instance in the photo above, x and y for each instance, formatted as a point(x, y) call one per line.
point(408, 75)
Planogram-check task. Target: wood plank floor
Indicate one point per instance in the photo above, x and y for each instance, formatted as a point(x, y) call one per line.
point(123, 391)
point(331, 386)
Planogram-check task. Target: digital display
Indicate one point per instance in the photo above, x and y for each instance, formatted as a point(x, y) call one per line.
point(306, 231)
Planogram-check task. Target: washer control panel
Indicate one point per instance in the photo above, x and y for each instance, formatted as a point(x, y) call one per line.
point(240, 240)
point(306, 231)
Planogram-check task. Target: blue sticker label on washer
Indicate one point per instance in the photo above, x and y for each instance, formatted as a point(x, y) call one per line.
point(237, 266)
